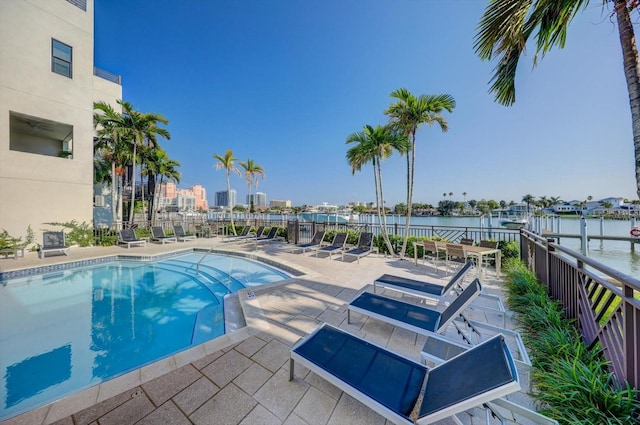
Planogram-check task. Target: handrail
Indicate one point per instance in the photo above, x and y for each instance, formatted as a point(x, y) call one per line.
point(202, 258)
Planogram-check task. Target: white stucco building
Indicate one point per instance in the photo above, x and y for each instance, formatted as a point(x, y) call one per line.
point(47, 88)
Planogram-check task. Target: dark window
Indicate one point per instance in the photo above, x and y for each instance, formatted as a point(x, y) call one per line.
point(61, 58)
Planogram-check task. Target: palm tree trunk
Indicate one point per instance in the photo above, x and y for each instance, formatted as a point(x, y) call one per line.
point(383, 216)
point(133, 186)
point(113, 192)
point(151, 181)
point(410, 171)
point(632, 75)
point(233, 227)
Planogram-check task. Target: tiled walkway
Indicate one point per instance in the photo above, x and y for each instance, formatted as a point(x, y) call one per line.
point(242, 378)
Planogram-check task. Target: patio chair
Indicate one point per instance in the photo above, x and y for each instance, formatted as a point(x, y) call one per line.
point(413, 317)
point(252, 236)
point(272, 236)
point(400, 389)
point(455, 253)
point(52, 242)
point(430, 250)
point(439, 292)
point(338, 244)
point(128, 237)
point(316, 242)
point(181, 235)
point(243, 234)
point(364, 247)
point(420, 287)
point(157, 234)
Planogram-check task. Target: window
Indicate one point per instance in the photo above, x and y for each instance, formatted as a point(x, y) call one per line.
point(61, 58)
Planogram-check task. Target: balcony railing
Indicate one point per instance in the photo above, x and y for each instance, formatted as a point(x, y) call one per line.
point(603, 302)
point(106, 75)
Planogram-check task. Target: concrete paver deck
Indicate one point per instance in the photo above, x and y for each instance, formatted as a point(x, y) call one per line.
point(242, 377)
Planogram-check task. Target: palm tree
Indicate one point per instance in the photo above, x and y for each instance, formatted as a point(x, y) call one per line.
point(464, 197)
point(507, 25)
point(407, 114)
point(444, 195)
point(227, 162)
point(161, 167)
point(450, 195)
point(375, 145)
point(528, 199)
point(252, 171)
point(130, 128)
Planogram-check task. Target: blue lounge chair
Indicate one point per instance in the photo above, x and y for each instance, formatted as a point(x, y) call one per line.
point(316, 242)
point(339, 241)
point(128, 237)
point(364, 247)
point(244, 234)
point(272, 236)
point(416, 318)
point(400, 389)
point(422, 288)
point(52, 242)
point(181, 235)
point(157, 234)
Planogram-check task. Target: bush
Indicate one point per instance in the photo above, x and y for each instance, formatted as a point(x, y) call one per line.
point(80, 234)
point(572, 381)
point(10, 242)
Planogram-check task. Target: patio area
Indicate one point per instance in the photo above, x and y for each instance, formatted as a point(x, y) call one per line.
point(242, 377)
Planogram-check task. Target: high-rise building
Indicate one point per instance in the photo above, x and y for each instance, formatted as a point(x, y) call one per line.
point(274, 203)
point(190, 199)
point(259, 199)
point(48, 84)
point(226, 199)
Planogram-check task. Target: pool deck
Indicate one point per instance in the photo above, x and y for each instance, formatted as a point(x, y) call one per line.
point(242, 377)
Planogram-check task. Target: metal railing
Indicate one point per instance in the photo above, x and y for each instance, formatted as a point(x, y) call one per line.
point(603, 302)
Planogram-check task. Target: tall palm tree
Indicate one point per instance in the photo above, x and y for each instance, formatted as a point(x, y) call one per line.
point(528, 199)
point(464, 197)
point(251, 172)
point(407, 114)
point(161, 167)
point(134, 129)
point(450, 195)
point(373, 146)
point(227, 163)
point(507, 25)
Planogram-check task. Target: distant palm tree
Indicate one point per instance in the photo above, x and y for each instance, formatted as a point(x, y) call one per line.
point(528, 199)
point(251, 171)
point(227, 162)
point(464, 197)
point(444, 195)
point(450, 195)
point(373, 146)
point(507, 25)
point(407, 114)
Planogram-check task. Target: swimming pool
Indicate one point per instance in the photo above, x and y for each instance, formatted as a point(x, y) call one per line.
point(68, 330)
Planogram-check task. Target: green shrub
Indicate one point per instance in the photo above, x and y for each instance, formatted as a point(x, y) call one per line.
point(572, 381)
point(80, 234)
point(10, 242)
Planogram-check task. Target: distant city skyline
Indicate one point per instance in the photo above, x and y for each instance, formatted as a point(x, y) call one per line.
point(285, 83)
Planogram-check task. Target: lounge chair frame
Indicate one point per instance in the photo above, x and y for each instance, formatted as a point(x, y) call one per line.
point(422, 288)
point(52, 242)
point(158, 235)
point(364, 247)
point(181, 235)
point(433, 377)
point(337, 245)
point(432, 321)
point(128, 237)
point(316, 242)
point(246, 232)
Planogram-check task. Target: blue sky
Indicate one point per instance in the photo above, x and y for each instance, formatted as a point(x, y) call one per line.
point(284, 82)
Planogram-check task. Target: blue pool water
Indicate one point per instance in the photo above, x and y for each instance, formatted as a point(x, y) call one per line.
point(69, 330)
